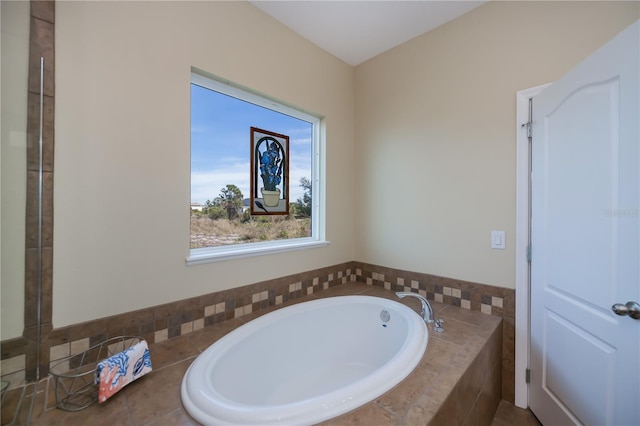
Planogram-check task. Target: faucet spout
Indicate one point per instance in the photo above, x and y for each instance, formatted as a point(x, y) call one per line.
point(427, 310)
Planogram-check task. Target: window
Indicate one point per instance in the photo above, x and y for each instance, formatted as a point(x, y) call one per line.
point(255, 174)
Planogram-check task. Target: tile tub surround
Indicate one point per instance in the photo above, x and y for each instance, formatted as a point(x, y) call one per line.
point(170, 320)
point(174, 319)
point(488, 299)
point(456, 383)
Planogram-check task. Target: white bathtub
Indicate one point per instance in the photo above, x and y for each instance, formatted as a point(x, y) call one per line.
point(305, 363)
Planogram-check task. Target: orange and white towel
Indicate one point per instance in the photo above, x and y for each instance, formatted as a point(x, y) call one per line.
point(117, 371)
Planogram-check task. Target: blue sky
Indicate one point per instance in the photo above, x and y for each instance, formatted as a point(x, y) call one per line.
point(220, 143)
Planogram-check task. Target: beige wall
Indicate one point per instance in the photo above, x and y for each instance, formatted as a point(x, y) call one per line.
point(122, 141)
point(15, 63)
point(433, 162)
point(436, 131)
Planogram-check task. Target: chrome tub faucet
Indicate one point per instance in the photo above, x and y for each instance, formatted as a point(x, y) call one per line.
point(427, 310)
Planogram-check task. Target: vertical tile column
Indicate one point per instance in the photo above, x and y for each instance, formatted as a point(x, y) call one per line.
point(42, 39)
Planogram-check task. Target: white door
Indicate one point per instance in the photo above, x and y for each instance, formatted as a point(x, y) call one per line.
point(585, 234)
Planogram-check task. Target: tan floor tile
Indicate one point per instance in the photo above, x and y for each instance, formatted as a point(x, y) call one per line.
point(445, 413)
point(470, 317)
point(341, 290)
point(440, 352)
point(41, 401)
point(10, 404)
point(25, 406)
point(178, 417)
point(157, 394)
point(422, 411)
point(455, 331)
point(406, 393)
point(370, 414)
point(113, 412)
point(171, 351)
point(509, 415)
point(204, 338)
point(380, 292)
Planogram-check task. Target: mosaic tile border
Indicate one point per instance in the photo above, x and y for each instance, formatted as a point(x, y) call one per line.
point(443, 294)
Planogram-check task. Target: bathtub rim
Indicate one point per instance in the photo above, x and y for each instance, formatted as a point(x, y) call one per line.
point(343, 400)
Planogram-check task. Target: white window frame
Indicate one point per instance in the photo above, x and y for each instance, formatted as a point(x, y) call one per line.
point(317, 238)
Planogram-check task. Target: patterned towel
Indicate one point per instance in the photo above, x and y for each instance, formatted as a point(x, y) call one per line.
point(117, 371)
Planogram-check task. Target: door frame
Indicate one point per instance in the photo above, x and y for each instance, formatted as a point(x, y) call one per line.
point(523, 225)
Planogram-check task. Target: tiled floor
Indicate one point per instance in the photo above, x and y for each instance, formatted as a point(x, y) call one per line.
point(155, 399)
point(510, 415)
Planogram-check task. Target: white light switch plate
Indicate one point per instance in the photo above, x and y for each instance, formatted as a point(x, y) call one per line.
point(497, 240)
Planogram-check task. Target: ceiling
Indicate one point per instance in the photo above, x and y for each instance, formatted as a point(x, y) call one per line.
point(356, 31)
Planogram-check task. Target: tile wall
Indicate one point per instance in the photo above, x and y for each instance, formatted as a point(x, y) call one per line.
point(457, 381)
point(41, 44)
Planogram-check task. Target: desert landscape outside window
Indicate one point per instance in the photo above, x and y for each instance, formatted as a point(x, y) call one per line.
point(230, 172)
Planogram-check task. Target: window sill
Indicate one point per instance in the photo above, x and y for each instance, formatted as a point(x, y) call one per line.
point(217, 254)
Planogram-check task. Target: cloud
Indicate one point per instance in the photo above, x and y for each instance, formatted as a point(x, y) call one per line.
point(206, 185)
